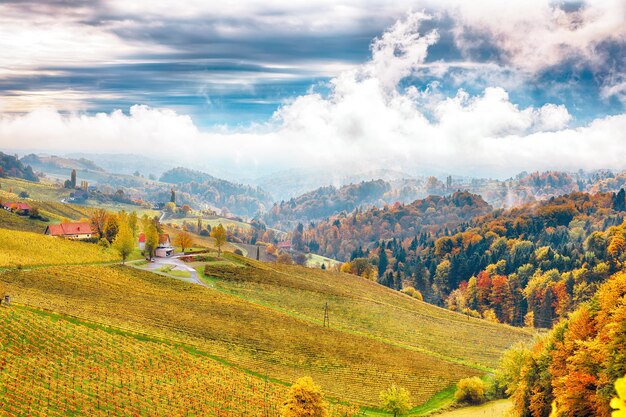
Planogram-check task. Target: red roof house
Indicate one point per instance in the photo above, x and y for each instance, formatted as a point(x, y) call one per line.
point(17, 207)
point(79, 230)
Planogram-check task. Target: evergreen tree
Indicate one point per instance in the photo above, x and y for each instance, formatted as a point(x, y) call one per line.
point(383, 262)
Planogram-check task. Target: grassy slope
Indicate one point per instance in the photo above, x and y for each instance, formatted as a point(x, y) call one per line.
point(43, 191)
point(363, 307)
point(350, 367)
point(28, 249)
point(12, 221)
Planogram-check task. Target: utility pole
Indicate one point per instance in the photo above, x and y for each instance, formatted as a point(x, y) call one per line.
point(326, 318)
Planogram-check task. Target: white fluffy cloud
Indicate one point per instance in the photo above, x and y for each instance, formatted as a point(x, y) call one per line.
point(365, 121)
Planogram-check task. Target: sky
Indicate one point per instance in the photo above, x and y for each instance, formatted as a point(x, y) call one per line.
point(480, 88)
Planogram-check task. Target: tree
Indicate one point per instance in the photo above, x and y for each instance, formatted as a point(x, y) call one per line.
point(184, 240)
point(152, 239)
point(124, 242)
point(383, 262)
point(132, 223)
point(304, 399)
point(98, 220)
point(173, 196)
point(219, 234)
point(395, 400)
point(170, 207)
point(111, 228)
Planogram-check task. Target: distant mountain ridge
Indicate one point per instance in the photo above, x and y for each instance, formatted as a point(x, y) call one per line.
point(238, 198)
point(63, 163)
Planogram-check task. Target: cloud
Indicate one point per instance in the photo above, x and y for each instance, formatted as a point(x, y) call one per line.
point(367, 120)
point(535, 34)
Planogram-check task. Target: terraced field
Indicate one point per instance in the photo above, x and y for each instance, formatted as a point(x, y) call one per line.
point(350, 367)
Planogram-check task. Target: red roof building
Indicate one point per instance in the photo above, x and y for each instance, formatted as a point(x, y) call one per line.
point(17, 206)
point(80, 230)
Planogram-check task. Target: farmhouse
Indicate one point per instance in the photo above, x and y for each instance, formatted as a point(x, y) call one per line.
point(17, 207)
point(164, 247)
point(80, 230)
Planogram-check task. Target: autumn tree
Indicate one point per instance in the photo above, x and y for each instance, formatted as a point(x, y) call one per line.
point(111, 228)
point(124, 241)
point(133, 223)
point(152, 239)
point(304, 399)
point(184, 240)
point(395, 400)
point(219, 235)
point(98, 221)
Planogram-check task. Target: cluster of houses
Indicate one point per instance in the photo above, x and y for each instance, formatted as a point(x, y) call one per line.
point(17, 207)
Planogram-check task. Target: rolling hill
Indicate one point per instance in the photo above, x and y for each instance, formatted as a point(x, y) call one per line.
point(266, 319)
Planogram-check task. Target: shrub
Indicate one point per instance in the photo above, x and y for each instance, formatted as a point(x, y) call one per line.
point(238, 252)
point(284, 258)
point(413, 293)
point(470, 390)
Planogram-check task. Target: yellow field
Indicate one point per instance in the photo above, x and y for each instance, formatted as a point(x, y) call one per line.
point(54, 367)
point(27, 249)
point(351, 367)
point(363, 307)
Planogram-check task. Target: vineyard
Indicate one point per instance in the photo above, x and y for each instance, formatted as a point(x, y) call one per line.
point(52, 367)
point(348, 366)
point(36, 190)
point(12, 221)
point(26, 249)
point(363, 307)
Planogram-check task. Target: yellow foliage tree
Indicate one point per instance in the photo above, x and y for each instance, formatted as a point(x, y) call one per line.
point(304, 399)
point(619, 403)
point(219, 234)
point(124, 241)
point(184, 240)
point(395, 400)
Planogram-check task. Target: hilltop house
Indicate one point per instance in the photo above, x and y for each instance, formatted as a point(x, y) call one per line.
point(164, 247)
point(17, 207)
point(74, 231)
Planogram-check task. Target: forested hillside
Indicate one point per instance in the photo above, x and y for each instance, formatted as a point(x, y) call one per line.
point(237, 198)
point(10, 166)
point(341, 235)
point(326, 201)
point(574, 368)
point(529, 265)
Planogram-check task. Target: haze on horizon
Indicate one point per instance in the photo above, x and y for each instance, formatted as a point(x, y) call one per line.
point(481, 88)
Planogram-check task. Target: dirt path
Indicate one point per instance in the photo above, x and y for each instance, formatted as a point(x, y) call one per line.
point(498, 408)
